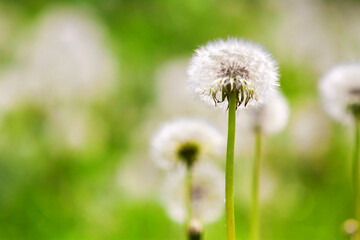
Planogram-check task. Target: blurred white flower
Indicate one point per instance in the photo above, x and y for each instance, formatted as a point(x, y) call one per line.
point(302, 33)
point(221, 67)
point(66, 58)
point(270, 117)
point(340, 91)
point(316, 32)
point(186, 141)
point(207, 193)
point(310, 131)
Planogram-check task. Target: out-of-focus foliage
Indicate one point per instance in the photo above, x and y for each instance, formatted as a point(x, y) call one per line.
point(65, 168)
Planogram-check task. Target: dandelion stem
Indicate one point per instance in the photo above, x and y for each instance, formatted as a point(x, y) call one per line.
point(229, 180)
point(188, 199)
point(255, 213)
point(189, 189)
point(356, 174)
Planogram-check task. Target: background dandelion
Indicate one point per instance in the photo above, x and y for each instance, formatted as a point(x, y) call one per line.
point(339, 89)
point(176, 141)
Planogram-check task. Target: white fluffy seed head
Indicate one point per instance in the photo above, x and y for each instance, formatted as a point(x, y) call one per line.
point(67, 59)
point(269, 118)
point(207, 193)
point(186, 138)
point(340, 90)
point(234, 65)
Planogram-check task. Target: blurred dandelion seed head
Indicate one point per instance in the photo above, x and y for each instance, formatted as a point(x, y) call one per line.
point(66, 59)
point(270, 117)
point(222, 67)
point(186, 140)
point(340, 90)
point(207, 193)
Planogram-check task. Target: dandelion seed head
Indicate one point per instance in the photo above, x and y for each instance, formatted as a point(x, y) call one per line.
point(186, 141)
point(340, 91)
point(234, 65)
point(207, 193)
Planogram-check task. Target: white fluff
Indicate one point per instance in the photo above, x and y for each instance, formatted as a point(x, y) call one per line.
point(270, 117)
point(248, 63)
point(208, 193)
point(339, 88)
point(171, 136)
point(65, 59)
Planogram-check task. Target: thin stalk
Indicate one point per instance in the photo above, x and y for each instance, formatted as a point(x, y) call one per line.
point(229, 179)
point(255, 213)
point(356, 174)
point(188, 200)
point(188, 195)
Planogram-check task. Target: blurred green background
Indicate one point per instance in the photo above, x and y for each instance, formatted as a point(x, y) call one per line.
point(74, 151)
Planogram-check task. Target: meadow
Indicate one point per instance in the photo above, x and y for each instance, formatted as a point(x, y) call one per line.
point(84, 85)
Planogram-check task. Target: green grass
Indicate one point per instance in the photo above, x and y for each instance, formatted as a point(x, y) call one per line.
point(46, 192)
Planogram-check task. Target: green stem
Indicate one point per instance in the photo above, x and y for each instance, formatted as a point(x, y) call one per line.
point(356, 174)
point(229, 179)
point(189, 189)
point(255, 213)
